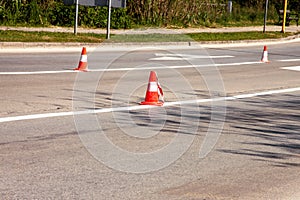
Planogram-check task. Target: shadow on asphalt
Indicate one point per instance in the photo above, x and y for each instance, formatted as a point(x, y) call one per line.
point(273, 127)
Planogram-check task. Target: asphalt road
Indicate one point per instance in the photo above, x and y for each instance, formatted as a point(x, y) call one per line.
point(242, 117)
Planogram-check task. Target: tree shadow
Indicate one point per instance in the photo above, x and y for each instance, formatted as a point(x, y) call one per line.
point(272, 125)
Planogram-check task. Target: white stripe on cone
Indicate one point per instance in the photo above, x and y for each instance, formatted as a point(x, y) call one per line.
point(152, 87)
point(83, 58)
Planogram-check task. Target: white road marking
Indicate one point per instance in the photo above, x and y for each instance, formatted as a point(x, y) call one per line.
point(237, 64)
point(131, 68)
point(170, 57)
point(190, 55)
point(294, 68)
point(289, 60)
point(140, 107)
point(37, 72)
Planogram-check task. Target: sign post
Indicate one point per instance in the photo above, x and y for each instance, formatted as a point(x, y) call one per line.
point(229, 8)
point(266, 15)
point(284, 16)
point(108, 3)
point(108, 20)
point(76, 17)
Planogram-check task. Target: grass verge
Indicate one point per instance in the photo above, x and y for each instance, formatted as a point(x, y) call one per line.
point(199, 37)
point(239, 36)
point(22, 36)
point(149, 38)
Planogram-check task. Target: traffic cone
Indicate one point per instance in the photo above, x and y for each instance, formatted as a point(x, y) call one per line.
point(83, 65)
point(154, 92)
point(264, 57)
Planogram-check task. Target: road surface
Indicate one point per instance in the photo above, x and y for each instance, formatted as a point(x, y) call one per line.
point(230, 123)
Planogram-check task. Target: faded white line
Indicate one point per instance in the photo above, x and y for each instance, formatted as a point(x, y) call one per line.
point(190, 55)
point(131, 68)
point(37, 72)
point(170, 57)
point(293, 68)
point(289, 60)
point(140, 107)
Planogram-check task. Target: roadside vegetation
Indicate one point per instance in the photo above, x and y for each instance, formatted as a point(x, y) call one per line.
point(22, 36)
point(141, 13)
point(174, 14)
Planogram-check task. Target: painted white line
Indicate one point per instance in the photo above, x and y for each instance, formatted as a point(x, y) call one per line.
point(294, 68)
point(37, 72)
point(35, 116)
point(168, 56)
point(270, 92)
point(176, 67)
point(190, 55)
point(131, 68)
point(237, 64)
point(141, 107)
point(289, 60)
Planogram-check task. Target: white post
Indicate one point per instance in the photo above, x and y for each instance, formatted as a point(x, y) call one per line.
point(76, 17)
point(108, 20)
point(266, 16)
point(230, 6)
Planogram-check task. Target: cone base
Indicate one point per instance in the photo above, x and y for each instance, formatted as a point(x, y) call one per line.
point(152, 103)
point(265, 61)
point(82, 70)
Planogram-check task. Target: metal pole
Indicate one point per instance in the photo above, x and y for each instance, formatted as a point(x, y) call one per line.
point(76, 17)
point(284, 16)
point(108, 20)
point(266, 15)
point(229, 6)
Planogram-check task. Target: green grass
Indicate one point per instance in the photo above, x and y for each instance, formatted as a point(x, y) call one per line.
point(238, 36)
point(22, 36)
point(150, 38)
point(199, 37)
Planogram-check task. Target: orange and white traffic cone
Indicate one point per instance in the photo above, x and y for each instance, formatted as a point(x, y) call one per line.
point(83, 65)
point(264, 57)
point(154, 92)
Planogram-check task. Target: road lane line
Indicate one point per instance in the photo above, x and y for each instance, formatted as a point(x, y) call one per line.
point(171, 57)
point(289, 60)
point(141, 107)
point(37, 72)
point(293, 68)
point(168, 58)
point(190, 55)
point(131, 68)
point(35, 116)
